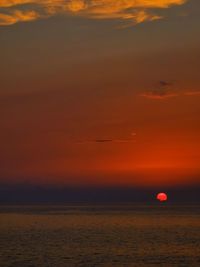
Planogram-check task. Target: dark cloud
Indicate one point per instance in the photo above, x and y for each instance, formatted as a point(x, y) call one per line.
point(165, 83)
point(108, 140)
point(32, 194)
point(163, 89)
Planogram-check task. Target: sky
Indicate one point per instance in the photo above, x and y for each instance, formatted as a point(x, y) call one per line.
point(100, 92)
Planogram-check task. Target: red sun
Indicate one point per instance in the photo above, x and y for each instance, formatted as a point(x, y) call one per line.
point(162, 197)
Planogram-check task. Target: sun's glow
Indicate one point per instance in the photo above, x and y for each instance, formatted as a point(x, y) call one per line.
point(162, 197)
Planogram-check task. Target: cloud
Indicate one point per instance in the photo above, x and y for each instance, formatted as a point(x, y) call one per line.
point(135, 11)
point(163, 90)
point(108, 140)
point(152, 95)
point(192, 93)
point(104, 141)
point(18, 16)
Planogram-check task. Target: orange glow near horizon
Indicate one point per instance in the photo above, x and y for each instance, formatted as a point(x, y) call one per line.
point(120, 164)
point(169, 157)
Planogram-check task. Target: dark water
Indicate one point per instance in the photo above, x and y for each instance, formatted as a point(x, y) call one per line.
point(110, 236)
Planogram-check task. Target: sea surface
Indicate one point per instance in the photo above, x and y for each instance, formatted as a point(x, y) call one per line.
point(83, 235)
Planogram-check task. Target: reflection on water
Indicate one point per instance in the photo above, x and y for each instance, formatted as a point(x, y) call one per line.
point(108, 236)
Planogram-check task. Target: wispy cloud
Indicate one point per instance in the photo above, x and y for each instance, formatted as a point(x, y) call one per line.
point(165, 89)
point(154, 96)
point(17, 16)
point(162, 90)
point(108, 140)
point(192, 93)
point(105, 141)
point(135, 11)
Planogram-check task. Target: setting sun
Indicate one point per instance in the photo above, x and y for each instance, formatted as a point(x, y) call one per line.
point(162, 197)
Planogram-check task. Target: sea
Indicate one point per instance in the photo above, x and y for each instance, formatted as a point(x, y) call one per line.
point(100, 235)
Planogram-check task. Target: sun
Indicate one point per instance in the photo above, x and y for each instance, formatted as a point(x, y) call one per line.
point(162, 197)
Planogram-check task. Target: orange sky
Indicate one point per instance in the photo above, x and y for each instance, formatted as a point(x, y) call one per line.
point(99, 92)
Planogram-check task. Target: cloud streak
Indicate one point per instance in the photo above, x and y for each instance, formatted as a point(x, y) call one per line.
point(135, 11)
point(109, 140)
point(106, 141)
point(165, 90)
point(192, 93)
